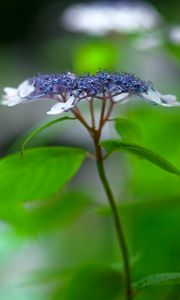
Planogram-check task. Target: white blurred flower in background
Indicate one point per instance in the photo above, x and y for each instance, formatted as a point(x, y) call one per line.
point(174, 35)
point(99, 18)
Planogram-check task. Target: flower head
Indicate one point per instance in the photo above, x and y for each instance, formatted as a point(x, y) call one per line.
point(68, 89)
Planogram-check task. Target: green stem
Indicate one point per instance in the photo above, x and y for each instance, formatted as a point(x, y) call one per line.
point(96, 134)
point(118, 225)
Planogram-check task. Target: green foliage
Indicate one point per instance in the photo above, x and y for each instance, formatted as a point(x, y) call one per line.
point(118, 145)
point(93, 282)
point(174, 51)
point(158, 279)
point(40, 174)
point(57, 212)
point(127, 130)
point(40, 217)
point(160, 131)
point(153, 231)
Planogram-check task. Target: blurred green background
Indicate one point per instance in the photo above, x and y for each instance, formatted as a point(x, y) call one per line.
point(67, 249)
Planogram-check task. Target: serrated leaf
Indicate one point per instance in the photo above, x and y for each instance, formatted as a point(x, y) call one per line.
point(127, 130)
point(41, 128)
point(142, 152)
point(41, 173)
point(158, 279)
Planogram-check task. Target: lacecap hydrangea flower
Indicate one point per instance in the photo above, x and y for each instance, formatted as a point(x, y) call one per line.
point(68, 89)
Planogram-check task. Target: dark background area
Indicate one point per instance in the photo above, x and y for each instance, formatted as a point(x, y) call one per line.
point(19, 19)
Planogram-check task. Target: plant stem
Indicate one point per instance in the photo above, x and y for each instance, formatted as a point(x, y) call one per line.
point(78, 115)
point(119, 229)
point(103, 107)
point(92, 113)
point(96, 135)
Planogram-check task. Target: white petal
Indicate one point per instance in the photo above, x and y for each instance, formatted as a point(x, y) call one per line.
point(11, 102)
point(61, 107)
point(169, 100)
point(11, 97)
point(153, 96)
point(4, 102)
point(25, 89)
point(69, 102)
point(164, 100)
point(120, 97)
point(57, 109)
point(10, 91)
point(15, 96)
point(15, 101)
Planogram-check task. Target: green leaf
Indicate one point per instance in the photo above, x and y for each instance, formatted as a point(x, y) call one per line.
point(36, 131)
point(127, 130)
point(57, 212)
point(158, 279)
point(41, 173)
point(117, 145)
point(44, 216)
point(49, 275)
point(93, 282)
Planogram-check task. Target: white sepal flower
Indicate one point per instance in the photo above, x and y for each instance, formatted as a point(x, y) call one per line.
point(25, 89)
point(153, 96)
point(61, 107)
point(121, 97)
point(164, 100)
point(10, 98)
point(169, 100)
point(14, 96)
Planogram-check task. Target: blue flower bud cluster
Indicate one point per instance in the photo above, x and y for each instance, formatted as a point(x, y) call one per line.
point(88, 85)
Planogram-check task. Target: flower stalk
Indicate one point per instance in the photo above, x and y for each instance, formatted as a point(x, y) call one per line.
point(117, 222)
point(95, 134)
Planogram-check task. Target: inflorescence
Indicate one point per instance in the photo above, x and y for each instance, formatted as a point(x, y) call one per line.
point(89, 85)
point(68, 89)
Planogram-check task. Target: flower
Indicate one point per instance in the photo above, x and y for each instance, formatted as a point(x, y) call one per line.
point(68, 89)
point(14, 96)
point(101, 17)
point(54, 87)
point(156, 97)
point(174, 35)
point(60, 107)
